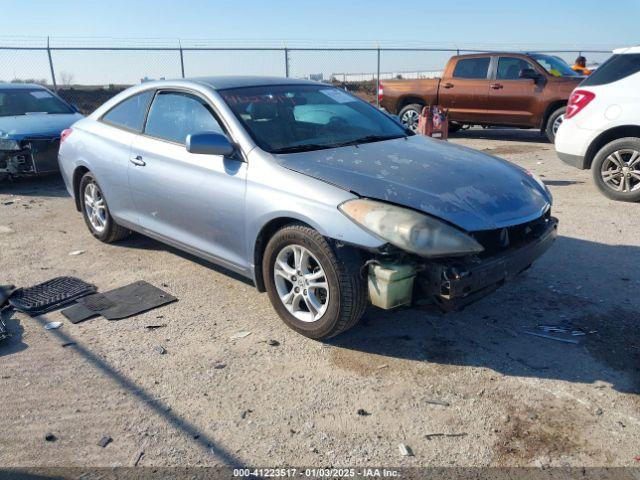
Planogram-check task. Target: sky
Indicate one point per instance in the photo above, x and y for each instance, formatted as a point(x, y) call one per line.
point(483, 23)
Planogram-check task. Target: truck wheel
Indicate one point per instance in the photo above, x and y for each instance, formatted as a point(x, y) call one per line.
point(616, 169)
point(409, 116)
point(314, 291)
point(454, 127)
point(96, 212)
point(553, 123)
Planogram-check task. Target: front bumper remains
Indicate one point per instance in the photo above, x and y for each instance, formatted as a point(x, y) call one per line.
point(37, 156)
point(453, 284)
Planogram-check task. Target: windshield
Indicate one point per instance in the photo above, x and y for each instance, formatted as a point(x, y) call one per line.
point(555, 65)
point(27, 101)
point(295, 118)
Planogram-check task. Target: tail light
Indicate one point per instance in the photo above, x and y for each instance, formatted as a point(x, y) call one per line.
point(577, 101)
point(380, 92)
point(65, 133)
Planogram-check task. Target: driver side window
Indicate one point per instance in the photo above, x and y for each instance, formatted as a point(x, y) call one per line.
point(509, 68)
point(175, 115)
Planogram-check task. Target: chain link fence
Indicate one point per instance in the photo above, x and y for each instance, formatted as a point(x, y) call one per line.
point(87, 72)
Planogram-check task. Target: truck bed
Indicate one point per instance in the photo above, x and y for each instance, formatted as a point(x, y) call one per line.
point(397, 92)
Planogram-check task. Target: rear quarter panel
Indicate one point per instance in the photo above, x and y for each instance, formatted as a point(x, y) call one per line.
point(103, 150)
point(398, 93)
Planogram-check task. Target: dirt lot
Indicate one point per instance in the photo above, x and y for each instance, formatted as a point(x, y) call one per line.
point(518, 399)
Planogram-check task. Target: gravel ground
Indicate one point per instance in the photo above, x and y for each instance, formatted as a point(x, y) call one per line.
point(508, 397)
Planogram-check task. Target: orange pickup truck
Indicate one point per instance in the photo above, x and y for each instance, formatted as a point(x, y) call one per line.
point(505, 89)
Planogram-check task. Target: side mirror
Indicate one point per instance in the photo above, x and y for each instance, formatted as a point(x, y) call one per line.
point(209, 143)
point(529, 73)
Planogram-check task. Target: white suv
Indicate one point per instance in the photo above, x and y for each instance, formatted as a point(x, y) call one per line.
point(601, 129)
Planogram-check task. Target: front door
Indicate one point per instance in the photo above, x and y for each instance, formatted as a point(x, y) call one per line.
point(191, 200)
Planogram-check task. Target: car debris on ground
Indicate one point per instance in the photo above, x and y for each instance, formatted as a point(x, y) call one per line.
point(52, 325)
point(104, 441)
point(239, 335)
point(405, 450)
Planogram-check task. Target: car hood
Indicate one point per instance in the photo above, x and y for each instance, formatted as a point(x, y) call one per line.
point(19, 127)
point(465, 187)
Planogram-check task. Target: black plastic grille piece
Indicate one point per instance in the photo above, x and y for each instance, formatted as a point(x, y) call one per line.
point(49, 295)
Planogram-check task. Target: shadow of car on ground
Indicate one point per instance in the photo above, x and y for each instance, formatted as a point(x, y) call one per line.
point(585, 290)
point(42, 186)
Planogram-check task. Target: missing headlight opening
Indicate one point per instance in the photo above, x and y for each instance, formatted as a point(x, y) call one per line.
point(454, 282)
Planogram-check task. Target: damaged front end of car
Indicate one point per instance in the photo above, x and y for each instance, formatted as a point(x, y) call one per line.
point(28, 156)
point(427, 258)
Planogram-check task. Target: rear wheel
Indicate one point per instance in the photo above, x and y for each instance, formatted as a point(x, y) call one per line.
point(616, 169)
point(96, 211)
point(409, 116)
point(554, 122)
point(315, 292)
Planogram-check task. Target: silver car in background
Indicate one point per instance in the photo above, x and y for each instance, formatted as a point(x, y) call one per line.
point(322, 200)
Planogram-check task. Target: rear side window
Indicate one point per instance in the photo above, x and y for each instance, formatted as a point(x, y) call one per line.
point(472, 68)
point(129, 113)
point(174, 115)
point(614, 69)
point(509, 68)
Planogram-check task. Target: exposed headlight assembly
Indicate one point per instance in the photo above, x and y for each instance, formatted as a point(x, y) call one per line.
point(409, 230)
point(8, 144)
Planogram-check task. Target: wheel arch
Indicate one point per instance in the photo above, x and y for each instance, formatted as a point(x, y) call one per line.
point(78, 173)
point(408, 100)
point(609, 136)
point(552, 107)
point(260, 244)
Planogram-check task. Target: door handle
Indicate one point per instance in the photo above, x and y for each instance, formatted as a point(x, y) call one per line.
point(447, 85)
point(496, 86)
point(138, 161)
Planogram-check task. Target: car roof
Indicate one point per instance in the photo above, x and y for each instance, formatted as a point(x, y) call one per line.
point(224, 82)
point(627, 50)
point(18, 86)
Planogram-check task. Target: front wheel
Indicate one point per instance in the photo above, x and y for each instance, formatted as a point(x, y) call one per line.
point(554, 122)
point(616, 169)
point(315, 291)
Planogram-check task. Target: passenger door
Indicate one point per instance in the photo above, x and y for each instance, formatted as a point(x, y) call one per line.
point(512, 99)
point(193, 201)
point(465, 93)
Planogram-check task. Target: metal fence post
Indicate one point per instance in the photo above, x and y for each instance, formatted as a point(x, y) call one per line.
point(181, 59)
point(286, 62)
point(53, 74)
point(378, 80)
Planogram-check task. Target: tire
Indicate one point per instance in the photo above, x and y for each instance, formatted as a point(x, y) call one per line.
point(618, 156)
point(110, 231)
point(553, 123)
point(455, 127)
point(409, 116)
point(345, 296)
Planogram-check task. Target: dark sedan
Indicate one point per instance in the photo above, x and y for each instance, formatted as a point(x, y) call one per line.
point(31, 121)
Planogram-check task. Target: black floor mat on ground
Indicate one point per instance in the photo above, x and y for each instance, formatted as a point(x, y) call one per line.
point(120, 303)
point(79, 313)
point(49, 295)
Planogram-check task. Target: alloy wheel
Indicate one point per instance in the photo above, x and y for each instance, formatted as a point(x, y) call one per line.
point(556, 124)
point(95, 207)
point(410, 119)
point(301, 283)
point(620, 171)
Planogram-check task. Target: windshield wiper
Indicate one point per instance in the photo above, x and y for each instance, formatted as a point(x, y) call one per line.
point(368, 139)
point(302, 148)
